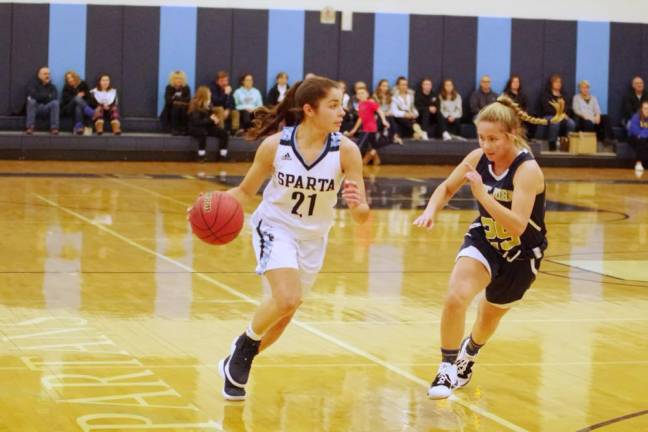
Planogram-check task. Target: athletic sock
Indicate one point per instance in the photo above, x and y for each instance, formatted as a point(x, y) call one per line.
point(250, 333)
point(473, 347)
point(449, 356)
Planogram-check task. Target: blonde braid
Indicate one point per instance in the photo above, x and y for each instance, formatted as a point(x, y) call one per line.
point(522, 115)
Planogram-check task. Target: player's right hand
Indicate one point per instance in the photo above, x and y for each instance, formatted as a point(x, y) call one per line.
point(426, 220)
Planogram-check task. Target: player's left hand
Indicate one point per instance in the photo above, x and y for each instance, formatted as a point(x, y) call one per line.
point(351, 194)
point(475, 180)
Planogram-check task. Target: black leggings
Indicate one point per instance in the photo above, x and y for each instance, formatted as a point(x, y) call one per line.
point(640, 146)
point(366, 141)
point(213, 131)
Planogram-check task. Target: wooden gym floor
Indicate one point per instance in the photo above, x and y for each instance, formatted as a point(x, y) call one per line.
point(113, 317)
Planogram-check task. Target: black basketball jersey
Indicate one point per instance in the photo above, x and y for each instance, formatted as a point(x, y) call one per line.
point(534, 239)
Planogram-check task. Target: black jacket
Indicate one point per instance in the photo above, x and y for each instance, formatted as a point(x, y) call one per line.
point(423, 102)
point(273, 95)
point(219, 98)
point(171, 95)
point(68, 95)
point(519, 99)
point(200, 122)
point(41, 93)
point(631, 104)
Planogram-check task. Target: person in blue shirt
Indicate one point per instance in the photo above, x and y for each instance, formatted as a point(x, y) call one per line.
point(638, 136)
point(247, 99)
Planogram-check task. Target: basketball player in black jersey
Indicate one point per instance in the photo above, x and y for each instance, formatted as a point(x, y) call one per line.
point(504, 246)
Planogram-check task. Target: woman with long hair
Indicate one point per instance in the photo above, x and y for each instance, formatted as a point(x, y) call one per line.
point(504, 246)
point(176, 101)
point(203, 123)
point(307, 161)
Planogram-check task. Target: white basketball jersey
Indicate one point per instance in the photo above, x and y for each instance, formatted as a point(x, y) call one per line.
point(299, 196)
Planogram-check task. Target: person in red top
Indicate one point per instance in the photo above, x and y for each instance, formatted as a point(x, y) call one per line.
point(367, 110)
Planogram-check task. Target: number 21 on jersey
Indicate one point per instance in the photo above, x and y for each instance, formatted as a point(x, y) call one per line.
point(299, 198)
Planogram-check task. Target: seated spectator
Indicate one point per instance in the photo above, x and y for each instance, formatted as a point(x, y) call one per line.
point(278, 91)
point(347, 121)
point(106, 103)
point(403, 110)
point(75, 101)
point(514, 91)
point(638, 136)
point(368, 139)
point(427, 104)
point(588, 113)
point(633, 99)
point(247, 99)
point(383, 96)
point(483, 96)
point(203, 123)
point(42, 98)
point(554, 106)
point(451, 111)
point(223, 101)
point(176, 101)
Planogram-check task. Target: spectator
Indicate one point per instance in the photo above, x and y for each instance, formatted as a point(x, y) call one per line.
point(368, 139)
point(588, 113)
point(75, 101)
point(347, 121)
point(514, 91)
point(383, 96)
point(403, 110)
point(633, 100)
point(223, 101)
point(482, 96)
point(42, 98)
point(176, 101)
point(427, 104)
point(554, 106)
point(106, 104)
point(638, 136)
point(451, 111)
point(203, 122)
point(278, 91)
point(247, 99)
point(351, 112)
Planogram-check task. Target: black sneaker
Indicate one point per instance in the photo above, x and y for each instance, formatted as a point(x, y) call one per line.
point(464, 365)
point(238, 367)
point(230, 391)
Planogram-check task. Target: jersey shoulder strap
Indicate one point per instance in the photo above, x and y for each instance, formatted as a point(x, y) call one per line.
point(334, 141)
point(287, 135)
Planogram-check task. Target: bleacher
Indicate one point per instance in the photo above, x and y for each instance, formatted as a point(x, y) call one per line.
point(144, 140)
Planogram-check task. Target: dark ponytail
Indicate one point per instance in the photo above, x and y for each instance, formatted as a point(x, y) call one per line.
point(289, 112)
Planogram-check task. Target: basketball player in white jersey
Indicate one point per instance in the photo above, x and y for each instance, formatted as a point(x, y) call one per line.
point(308, 162)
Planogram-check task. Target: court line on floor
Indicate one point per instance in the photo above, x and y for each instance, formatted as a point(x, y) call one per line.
point(305, 326)
point(614, 420)
point(347, 365)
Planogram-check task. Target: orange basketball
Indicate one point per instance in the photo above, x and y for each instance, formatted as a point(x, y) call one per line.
point(216, 218)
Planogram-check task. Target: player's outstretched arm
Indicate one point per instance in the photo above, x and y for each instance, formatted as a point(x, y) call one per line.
point(353, 190)
point(446, 190)
point(260, 170)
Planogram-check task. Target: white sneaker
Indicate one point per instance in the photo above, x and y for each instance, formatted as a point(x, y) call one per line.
point(202, 153)
point(223, 153)
point(445, 381)
point(446, 136)
point(639, 167)
point(464, 364)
